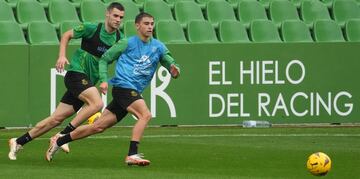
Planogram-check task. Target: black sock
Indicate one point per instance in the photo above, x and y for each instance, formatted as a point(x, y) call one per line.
point(24, 139)
point(133, 149)
point(63, 140)
point(68, 129)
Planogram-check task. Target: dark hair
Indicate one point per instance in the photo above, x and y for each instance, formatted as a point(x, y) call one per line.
point(141, 15)
point(115, 5)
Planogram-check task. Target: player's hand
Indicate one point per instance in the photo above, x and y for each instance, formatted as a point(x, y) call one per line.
point(174, 71)
point(60, 64)
point(104, 87)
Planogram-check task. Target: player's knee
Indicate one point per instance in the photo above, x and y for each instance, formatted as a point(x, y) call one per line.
point(98, 129)
point(98, 105)
point(147, 116)
point(56, 120)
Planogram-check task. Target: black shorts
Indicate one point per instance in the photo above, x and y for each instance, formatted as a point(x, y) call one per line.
point(75, 83)
point(122, 98)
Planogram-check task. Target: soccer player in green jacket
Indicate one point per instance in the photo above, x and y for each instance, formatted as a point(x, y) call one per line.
point(82, 74)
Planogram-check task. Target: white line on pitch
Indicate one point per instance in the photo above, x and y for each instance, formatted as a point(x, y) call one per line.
point(231, 135)
point(218, 135)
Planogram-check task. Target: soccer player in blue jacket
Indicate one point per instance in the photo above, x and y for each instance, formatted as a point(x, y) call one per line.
point(137, 59)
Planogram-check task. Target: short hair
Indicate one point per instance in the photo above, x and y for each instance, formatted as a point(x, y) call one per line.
point(141, 15)
point(115, 5)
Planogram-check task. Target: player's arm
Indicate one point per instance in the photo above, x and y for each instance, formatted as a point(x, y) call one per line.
point(82, 30)
point(62, 60)
point(169, 63)
point(108, 57)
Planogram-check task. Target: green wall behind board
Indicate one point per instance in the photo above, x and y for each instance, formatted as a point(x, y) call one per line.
point(14, 87)
point(292, 83)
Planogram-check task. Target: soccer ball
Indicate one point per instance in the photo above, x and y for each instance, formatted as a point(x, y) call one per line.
point(318, 164)
point(94, 117)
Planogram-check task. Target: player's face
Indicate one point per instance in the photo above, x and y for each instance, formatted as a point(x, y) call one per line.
point(114, 18)
point(145, 27)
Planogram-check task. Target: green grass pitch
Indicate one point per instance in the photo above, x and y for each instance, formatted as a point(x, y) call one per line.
point(191, 152)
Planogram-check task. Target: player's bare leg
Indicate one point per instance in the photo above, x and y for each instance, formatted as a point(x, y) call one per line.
point(141, 111)
point(106, 120)
point(93, 104)
point(62, 112)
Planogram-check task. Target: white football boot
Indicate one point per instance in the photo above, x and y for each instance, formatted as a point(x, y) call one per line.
point(14, 148)
point(136, 159)
point(53, 148)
